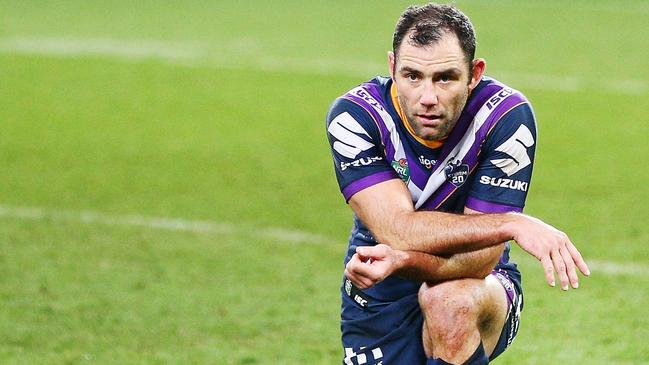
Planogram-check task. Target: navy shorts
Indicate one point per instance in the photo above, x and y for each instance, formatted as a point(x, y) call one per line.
point(387, 333)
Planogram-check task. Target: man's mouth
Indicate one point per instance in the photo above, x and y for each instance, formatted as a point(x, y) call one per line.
point(429, 118)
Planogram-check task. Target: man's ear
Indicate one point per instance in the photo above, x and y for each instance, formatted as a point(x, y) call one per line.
point(392, 60)
point(477, 71)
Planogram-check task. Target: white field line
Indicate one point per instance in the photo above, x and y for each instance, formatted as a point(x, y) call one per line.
point(248, 53)
point(616, 268)
point(159, 223)
point(212, 227)
point(75, 47)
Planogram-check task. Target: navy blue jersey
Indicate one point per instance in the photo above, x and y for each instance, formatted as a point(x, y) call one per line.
point(485, 164)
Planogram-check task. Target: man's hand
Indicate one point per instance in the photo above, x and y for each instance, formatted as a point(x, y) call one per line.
point(371, 264)
point(552, 247)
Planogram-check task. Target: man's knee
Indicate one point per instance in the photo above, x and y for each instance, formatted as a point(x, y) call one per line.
point(462, 313)
point(450, 303)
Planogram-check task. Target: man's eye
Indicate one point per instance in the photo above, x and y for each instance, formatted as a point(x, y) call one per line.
point(412, 77)
point(446, 78)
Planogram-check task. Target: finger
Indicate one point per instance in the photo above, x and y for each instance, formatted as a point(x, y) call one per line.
point(367, 254)
point(352, 277)
point(363, 253)
point(358, 280)
point(560, 267)
point(570, 267)
point(579, 261)
point(360, 283)
point(350, 271)
point(362, 271)
point(371, 252)
point(546, 261)
point(354, 260)
point(353, 264)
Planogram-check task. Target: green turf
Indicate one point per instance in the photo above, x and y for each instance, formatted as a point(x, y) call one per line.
point(228, 127)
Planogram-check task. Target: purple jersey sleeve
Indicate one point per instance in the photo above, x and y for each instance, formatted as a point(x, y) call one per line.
point(502, 178)
point(358, 154)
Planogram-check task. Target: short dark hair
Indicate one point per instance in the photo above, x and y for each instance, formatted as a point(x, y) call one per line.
point(428, 24)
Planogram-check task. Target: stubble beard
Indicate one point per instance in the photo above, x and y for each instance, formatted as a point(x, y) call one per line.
point(440, 132)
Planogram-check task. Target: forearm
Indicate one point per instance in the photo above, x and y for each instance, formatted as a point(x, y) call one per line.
point(421, 266)
point(445, 233)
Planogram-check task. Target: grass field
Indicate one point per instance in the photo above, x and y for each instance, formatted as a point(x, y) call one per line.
point(167, 194)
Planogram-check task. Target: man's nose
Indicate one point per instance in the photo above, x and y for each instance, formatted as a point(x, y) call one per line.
point(429, 94)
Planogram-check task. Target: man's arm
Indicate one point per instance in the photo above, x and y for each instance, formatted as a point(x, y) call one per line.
point(387, 210)
point(472, 264)
point(373, 264)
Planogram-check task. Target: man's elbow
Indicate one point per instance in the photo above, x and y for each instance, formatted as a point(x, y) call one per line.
point(494, 255)
point(479, 264)
point(394, 241)
point(482, 272)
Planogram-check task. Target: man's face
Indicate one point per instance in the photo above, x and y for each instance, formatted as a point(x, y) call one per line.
point(433, 84)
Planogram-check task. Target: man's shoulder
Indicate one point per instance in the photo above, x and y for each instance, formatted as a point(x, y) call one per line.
point(373, 90)
point(365, 104)
point(490, 80)
point(517, 105)
point(492, 98)
point(515, 123)
point(494, 91)
point(380, 82)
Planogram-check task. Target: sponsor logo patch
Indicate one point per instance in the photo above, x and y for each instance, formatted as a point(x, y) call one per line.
point(362, 356)
point(496, 99)
point(516, 148)
point(363, 94)
point(456, 172)
point(348, 287)
point(402, 169)
point(360, 162)
point(427, 163)
point(347, 132)
point(504, 183)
